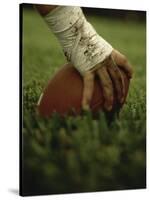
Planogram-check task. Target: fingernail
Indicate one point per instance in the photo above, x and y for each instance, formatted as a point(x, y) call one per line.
point(108, 107)
point(86, 107)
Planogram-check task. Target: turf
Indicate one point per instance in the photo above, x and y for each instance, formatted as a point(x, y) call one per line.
point(82, 154)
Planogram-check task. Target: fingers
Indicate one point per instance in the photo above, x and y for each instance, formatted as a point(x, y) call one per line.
point(107, 87)
point(88, 87)
point(118, 82)
point(111, 78)
point(122, 62)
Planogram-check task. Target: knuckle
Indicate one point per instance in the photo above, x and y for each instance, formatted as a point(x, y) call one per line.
point(109, 95)
point(89, 79)
point(107, 86)
point(88, 73)
point(111, 99)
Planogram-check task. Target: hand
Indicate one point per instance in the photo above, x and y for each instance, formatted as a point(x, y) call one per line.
point(110, 78)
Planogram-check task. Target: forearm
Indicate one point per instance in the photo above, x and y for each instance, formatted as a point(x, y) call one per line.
point(44, 9)
point(82, 46)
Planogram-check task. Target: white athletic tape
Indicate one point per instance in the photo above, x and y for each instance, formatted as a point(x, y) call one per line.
point(82, 46)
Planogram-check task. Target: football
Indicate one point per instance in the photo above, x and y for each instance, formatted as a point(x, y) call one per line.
point(63, 94)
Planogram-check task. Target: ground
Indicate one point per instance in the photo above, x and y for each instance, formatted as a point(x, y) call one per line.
point(82, 154)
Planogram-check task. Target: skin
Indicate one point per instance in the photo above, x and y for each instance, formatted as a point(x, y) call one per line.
point(44, 9)
point(110, 78)
point(109, 74)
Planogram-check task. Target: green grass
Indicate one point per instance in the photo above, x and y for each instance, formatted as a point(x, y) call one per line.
point(82, 154)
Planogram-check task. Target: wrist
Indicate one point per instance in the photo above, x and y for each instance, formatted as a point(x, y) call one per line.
point(81, 44)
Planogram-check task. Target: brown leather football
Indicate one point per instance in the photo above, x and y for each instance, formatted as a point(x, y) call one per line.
point(63, 93)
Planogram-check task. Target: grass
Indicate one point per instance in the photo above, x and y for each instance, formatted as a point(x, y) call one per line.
point(82, 154)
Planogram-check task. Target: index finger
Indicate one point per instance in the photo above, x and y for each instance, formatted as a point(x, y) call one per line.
point(88, 87)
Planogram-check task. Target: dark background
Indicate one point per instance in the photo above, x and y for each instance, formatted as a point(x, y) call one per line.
point(115, 13)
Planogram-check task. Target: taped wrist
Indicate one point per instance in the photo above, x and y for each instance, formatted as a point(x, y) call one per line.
point(81, 44)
